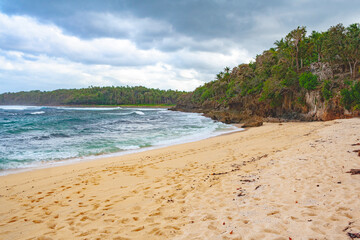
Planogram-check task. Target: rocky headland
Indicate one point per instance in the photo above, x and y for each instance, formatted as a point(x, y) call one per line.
point(303, 78)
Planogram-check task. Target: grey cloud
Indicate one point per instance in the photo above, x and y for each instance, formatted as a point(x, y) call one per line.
point(188, 34)
point(115, 25)
point(201, 20)
point(26, 35)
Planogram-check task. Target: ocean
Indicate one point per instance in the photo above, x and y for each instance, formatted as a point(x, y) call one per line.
point(33, 136)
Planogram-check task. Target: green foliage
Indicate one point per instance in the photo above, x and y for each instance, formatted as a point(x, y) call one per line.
point(343, 46)
point(282, 72)
point(346, 100)
point(94, 96)
point(271, 92)
point(256, 89)
point(252, 65)
point(206, 95)
point(230, 92)
point(347, 82)
point(198, 92)
point(308, 81)
point(316, 46)
point(290, 78)
point(350, 98)
point(326, 90)
point(268, 91)
point(295, 42)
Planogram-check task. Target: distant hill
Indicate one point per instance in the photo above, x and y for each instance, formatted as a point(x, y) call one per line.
point(304, 77)
point(93, 96)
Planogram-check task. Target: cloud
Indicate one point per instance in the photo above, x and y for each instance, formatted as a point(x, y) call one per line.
point(160, 43)
point(21, 33)
point(208, 61)
point(42, 56)
point(25, 34)
point(46, 73)
point(117, 25)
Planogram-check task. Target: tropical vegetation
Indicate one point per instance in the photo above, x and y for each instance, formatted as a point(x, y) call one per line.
point(94, 96)
point(300, 63)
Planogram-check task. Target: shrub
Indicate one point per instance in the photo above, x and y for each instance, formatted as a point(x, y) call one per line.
point(271, 91)
point(290, 78)
point(308, 81)
point(346, 98)
point(326, 90)
point(256, 89)
point(350, 98)
point(206, 95)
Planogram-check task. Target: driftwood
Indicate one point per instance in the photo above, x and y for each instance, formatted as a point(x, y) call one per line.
point(355, 144)
point(354, 171)
point(354, 235)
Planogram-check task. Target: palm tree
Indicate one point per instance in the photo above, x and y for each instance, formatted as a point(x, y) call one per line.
point(294, 38)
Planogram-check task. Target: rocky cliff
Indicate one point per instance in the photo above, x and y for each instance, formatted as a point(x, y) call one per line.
point(293, 106)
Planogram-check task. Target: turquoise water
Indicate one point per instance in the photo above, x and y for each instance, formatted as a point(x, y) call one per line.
point(33, 136)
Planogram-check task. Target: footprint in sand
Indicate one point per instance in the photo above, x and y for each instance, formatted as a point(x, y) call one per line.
point(51, 224)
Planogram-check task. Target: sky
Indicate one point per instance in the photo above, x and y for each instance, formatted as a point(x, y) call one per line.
point(165, 44)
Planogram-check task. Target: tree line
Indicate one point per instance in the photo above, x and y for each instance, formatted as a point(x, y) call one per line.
point(298, 63)
point(94, 96)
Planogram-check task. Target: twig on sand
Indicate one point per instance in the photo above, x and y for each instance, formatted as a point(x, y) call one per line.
point(348, 226)
point(222, 173)
point(354, 171)
point(247, 180)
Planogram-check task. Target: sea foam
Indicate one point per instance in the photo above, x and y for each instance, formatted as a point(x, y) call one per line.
point(66, 133)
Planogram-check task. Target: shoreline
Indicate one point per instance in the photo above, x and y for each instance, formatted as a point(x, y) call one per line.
point(70, 161)
point(59, 160)
point(278, 181)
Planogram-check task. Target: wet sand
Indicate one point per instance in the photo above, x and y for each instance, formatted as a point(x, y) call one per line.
point(278, 181)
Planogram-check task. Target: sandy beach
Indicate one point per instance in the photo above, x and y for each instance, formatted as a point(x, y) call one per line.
point(279, 181)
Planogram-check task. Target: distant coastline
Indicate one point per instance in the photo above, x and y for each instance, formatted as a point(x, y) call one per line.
point(94, 96)
point(103, 106)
